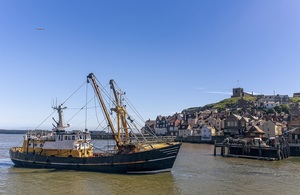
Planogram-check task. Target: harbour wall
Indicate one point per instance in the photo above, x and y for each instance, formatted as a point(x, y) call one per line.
point(5, 131)
point(198, 139)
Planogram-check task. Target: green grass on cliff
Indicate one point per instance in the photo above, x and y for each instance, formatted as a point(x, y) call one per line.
point(231, 102)
point(222, 105)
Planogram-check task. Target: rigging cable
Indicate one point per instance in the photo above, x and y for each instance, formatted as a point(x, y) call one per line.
point(86, 102)
point(73, 93)
point(80, 109)
point(137, 114)
point(132, 106)
point(99, 123)
point(105, 96)
point(105, 92)
point(45, 119)
point(61, 104)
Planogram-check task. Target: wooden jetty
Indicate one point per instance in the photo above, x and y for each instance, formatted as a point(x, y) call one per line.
point(259, 151)
point(294, 149)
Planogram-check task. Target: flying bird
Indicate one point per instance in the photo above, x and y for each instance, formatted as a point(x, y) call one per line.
point(40, 28)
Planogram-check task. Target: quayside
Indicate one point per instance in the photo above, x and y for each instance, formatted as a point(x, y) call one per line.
point(60, 148)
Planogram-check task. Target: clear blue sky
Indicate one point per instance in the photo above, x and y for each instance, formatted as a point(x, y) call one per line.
point(167, 55)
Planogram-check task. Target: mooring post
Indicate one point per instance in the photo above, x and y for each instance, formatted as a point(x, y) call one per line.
point(243, 149)
point(285, 152)
point(278, 152)
point(215, 148)
point(259, 149)
point(288, 149)
point(223, 149)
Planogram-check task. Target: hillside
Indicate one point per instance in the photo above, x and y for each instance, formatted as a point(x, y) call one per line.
point(222, 105)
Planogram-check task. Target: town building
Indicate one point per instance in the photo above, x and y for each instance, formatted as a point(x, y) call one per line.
point(184, 130)
point(172, 125)
point(295, 116)
point(255, 132)
point(149, 127)
point(294, 135)
point(160, 125)
point(243, 104)
point(207, 132)
point(296, 95)
point(235, 125)
point(271, 129)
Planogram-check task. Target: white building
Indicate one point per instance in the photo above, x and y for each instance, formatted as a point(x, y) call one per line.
point(270, 104)
point(207, 132)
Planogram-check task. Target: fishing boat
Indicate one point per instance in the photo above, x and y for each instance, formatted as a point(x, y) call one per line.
point(60, 148)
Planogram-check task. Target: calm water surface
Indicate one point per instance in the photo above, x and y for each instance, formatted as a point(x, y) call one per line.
point(196, 171)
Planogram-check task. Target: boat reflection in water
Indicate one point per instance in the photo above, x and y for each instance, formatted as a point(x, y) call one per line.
point(62, 149)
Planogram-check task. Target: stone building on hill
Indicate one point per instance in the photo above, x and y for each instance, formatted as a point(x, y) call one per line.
point(239, 92)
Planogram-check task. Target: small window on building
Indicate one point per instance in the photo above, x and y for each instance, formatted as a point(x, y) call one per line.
point(235, 123)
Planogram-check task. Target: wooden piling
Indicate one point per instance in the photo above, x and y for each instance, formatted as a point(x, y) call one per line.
point(222, 150)
point(278, 152)
point(215, 148)
point(259, 150)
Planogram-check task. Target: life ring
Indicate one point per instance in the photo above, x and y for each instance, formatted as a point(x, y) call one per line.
point(38, 135)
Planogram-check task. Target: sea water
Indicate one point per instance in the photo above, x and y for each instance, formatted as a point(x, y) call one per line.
point(196, 171)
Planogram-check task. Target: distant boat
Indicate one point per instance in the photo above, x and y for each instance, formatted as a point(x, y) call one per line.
point(62, 149)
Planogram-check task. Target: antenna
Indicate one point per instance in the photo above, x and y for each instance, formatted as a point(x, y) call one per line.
point(54, 103)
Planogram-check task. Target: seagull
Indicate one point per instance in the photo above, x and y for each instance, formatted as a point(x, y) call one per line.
point(40, 28)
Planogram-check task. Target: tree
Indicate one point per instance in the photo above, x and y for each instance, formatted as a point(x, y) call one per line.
point(285, 108)
point(278, 109)
point(270, 111)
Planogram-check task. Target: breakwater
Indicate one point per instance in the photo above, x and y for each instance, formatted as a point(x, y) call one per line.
point(6, 131)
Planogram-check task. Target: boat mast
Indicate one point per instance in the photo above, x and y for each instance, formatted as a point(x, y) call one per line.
point(96, 89)
point(60, 124)
point(121, 112)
